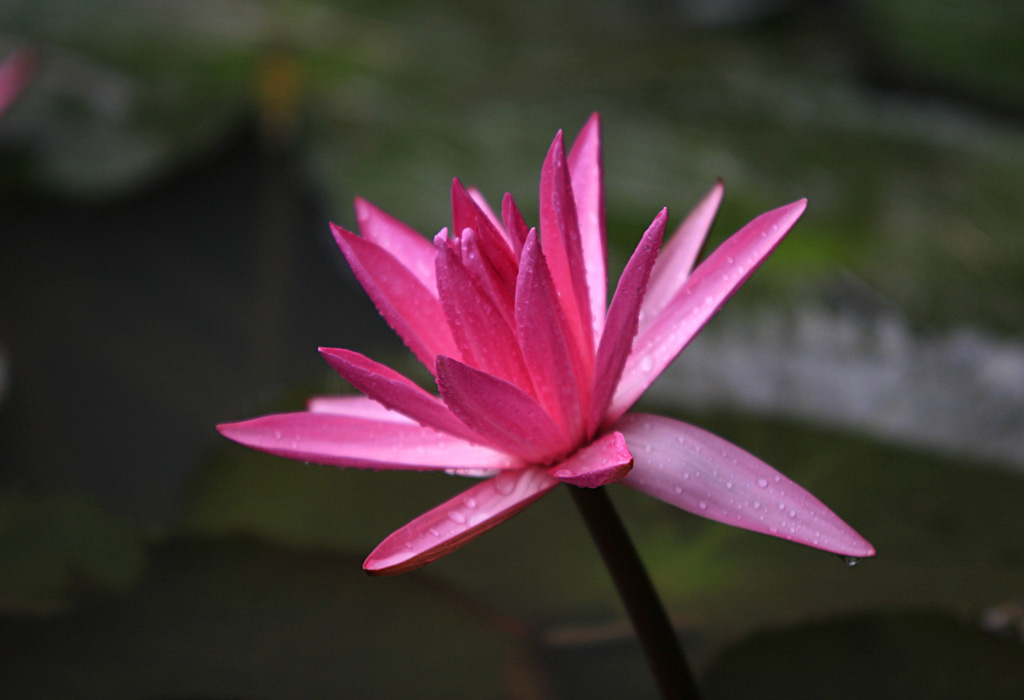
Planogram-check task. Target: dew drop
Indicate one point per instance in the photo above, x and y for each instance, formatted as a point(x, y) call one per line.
point(703, 505)
point(646, 364)
point(762, 482)
point(728, 485)
point(457, 517)
point(851, 561)
point(470, 502)
point(277, 434)
point(792, 513)
point(678, 489)
point(709, 300)
point(434, 532)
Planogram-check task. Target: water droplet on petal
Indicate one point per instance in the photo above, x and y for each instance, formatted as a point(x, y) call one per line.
point(703, 505)
point(678, 489)
point(646, 364)
point(457, 517)
point(762, 482)
point(470, 502)
point(277, 434)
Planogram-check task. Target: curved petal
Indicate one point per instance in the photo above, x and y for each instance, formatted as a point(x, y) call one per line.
point(454, 523)
point(586, 171)
point(396, 392)
point(708, 476)
point(344, 441)
point(604, 461)
point(710, 285)
point(495, 247)
point(500, 412)
point(677, 258)
point(560, 239)
point(514, 223)
point(412, 310)
point(403, 242)
point(485, 208)
point(560, 372)
point(621, 324)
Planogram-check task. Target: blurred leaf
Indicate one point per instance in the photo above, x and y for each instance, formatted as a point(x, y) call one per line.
point(916, 655)
point(54, 544)
point(248, 621)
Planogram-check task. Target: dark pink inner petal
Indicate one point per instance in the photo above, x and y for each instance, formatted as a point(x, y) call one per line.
point(586, 171)
point(604, 461)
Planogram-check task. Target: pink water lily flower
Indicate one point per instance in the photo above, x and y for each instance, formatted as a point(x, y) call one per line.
point(534, 375)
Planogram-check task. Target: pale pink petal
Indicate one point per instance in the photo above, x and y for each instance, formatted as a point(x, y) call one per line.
point(411, 249)
point(396, 392)
point(344, 441)
point(450, 525)
point(586, 170)
point(514, 223)
point(704, 292)
point(15, 73)
point(495, 247)
point(604, 461)
point(706, 475)
point(500, 412)
point(621, 323)
point(560, 239)
point(410, 309)
point(479, 328)
point(560, 371)
point(355, 407)
point(677, 258)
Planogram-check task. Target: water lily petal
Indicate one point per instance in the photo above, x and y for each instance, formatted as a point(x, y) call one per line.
point(621, 323)
point(500, 412)
point(412, 310)
point(356, 407)
point(487, 279)
point(485, 207)
point(344, 441)
point(677, 257)
point(560, 239)
point(396, 392)
point(561, 373)
point(495, 247)
point(484, 338)
point(458, 521)
point(586, 171)
point(704, 292)
point(604, 461)
point(403, 242)
point(514, 223)
point(701, 473)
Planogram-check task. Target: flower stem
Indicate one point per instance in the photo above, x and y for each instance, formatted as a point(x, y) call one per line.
point(664, 654)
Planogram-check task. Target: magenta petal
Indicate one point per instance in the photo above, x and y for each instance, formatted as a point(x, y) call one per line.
point(514, 223)
point(487, 279)
point(391, 389)
point(708, 476)
point(344, 441)
point(500, 412)
point(467, 214)
point(586, 171)
point(560, 239)
point(560, 372)
point(481, 332)
point(710, 285)
point(604, 461)
point(677, 257)
point(485, 208)
point(621, 323)
point(412, 310)
point(411, 249)
point(450, 525)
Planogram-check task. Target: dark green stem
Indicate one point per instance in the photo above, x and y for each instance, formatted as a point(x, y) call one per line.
point(664, 654)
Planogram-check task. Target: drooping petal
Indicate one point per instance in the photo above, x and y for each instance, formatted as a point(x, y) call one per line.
point(704, 292)
point(561, 372)
point(678, 256)
point(501, 413)
point(410, 309)
point(467, 214)
point(396, 392)
point(586, 171)
point(560, 239)
point(483, 337)
point(604, 461)
point(456, 522)
point(403, 242)
point(355, 407)
point(344, 441)
point(701, 473)
point(621, 324)
point(514, 223)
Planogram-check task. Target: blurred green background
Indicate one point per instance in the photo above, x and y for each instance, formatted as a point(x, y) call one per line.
point(165, 186)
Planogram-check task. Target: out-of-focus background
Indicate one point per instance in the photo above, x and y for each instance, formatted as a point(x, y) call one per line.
point(166, 180)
